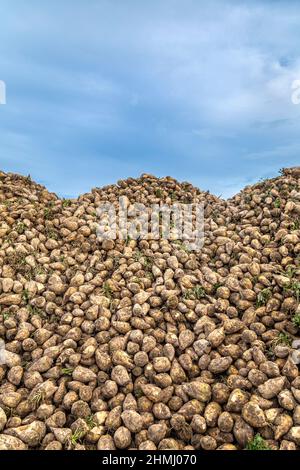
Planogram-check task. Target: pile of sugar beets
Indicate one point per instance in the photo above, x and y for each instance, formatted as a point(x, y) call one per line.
point(144, 344)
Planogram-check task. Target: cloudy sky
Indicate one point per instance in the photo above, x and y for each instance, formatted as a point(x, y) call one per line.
point(100, 90)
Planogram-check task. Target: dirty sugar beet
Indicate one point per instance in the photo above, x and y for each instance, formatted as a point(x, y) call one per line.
point(144, 344)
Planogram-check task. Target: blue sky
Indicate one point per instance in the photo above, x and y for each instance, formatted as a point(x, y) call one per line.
point(101, 90)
